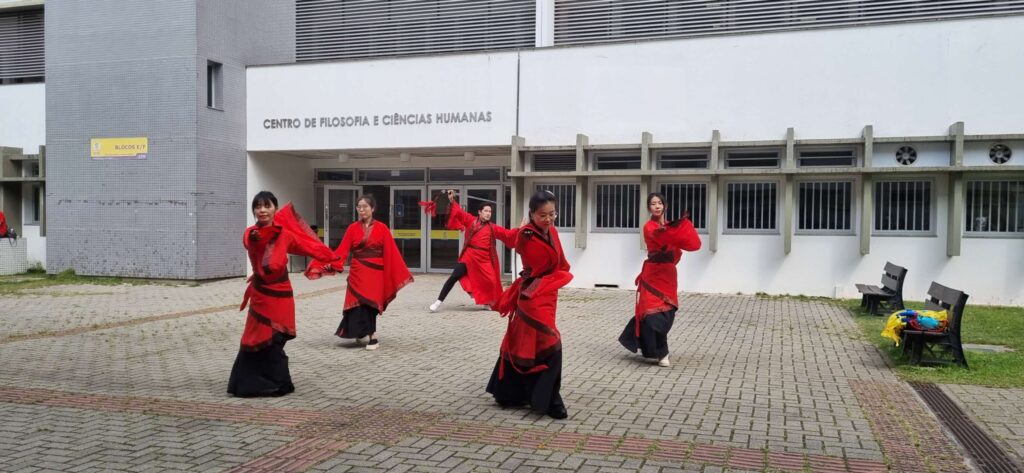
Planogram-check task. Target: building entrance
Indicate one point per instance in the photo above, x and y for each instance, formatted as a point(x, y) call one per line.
point(425, 242)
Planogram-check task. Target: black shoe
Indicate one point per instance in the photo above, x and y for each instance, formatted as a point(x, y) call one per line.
point(558, 412)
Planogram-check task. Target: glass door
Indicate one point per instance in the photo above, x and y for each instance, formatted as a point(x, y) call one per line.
point(407, 224)
point(445, 245)
point(339, 212)
point(506, 221)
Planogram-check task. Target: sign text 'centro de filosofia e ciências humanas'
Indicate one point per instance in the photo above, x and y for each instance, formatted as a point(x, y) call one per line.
point(394, 119)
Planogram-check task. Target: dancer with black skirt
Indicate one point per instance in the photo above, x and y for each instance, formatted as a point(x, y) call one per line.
point(657, 297)
point(376, 274)
point(261, 367)
point(529, 367)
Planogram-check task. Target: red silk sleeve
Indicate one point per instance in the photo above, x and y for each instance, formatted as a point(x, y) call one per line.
point(279, 255)
point(684, 236)
point(459, 219)
point(318, 268)
point(313, 249)
point(345, 246)
point(508, 236)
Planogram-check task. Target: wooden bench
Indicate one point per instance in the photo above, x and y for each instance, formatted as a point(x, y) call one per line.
point(889, 296)
point(915, 341)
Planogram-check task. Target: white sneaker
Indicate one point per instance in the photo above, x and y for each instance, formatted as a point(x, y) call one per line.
point(436, 305)
point(662, 362)
point(373, 345)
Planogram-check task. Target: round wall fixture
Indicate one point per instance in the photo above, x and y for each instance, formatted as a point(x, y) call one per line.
point(906, 155)
point(1000, 154)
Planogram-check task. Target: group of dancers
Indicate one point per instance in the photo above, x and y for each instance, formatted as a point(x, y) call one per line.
point(528, 371)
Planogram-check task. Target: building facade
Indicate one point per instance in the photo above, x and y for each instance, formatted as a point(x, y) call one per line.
point(810, 144)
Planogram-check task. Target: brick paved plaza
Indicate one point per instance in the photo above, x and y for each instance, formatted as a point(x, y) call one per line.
point(132, 378)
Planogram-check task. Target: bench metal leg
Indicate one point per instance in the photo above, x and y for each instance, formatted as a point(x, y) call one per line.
point(915, 357)
point(958, 354)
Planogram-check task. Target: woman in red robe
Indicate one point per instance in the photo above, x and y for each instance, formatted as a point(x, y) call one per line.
point(477, 270)
point(529, 367)
point(261, 367)
point(657, 297)
point(376, 274)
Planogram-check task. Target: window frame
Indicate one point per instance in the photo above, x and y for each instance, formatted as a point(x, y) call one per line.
point(693, 151)
point(855, 210)
point(592, 201)
point(530, 163)
point(932, 204)
point(724, 157)
point(855, 150)
point(724, 204)
point(214, 85)
point(592, 157)
point(1001, 177)
point(657, 183)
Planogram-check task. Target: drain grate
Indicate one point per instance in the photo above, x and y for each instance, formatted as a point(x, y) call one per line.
point(986, 453)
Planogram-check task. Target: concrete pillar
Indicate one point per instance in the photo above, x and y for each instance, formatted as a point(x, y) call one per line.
point(954, 225)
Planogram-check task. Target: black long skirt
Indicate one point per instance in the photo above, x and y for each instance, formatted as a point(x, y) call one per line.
point(358, 322)
point(653, 340)
point(262, 373)
point(538, 390)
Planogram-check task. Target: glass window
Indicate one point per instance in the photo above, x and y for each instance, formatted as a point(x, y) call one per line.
point(995, 207)
point(618, 206)
point(393, 175)
point(692, 196)
point(827, 158)
point(603, 162)
point(752, 159)
point(903, 206)
point(825, 206)
point(751, 206)
point(566, 202)
point(683, 161)
point(465, 174)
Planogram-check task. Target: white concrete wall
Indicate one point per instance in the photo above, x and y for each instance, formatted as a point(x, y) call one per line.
point(36, 245)
point(989, 269)
point(481, 83)
point(23, 116)
point(288, 177)
point(905, 79)
point(976, 153)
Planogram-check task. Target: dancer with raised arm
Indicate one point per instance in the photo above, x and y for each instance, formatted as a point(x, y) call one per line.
point(657, 297)
point(477, 270)
point(529, 367)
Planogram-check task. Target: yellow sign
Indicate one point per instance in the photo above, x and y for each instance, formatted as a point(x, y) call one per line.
point(407, 234)
point(444, 234)
point(119, 148)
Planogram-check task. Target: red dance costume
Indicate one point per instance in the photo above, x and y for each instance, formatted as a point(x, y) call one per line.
point(529, 367)
point(376, 274)
point(261, 367)
point(480, 255)
point(657, 285)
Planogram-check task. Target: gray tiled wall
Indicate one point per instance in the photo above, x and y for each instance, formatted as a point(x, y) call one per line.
point(121, 69)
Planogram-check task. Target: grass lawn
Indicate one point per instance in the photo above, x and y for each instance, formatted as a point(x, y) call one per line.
point(990, 325)
point(14, 285)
